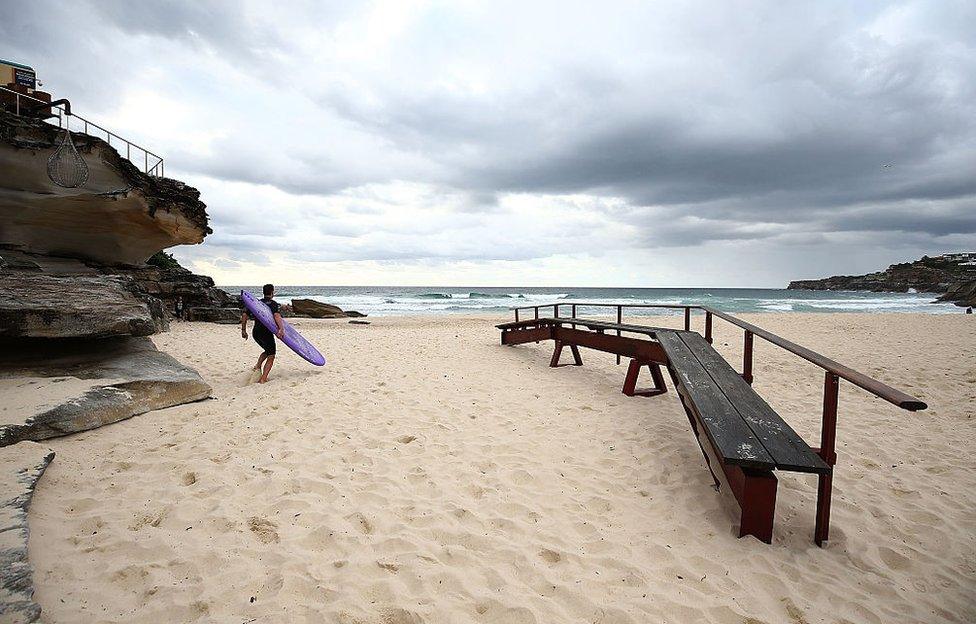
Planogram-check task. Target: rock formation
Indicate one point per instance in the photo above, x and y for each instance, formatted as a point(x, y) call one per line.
point(21, 466)
point(57, 387)
point(48, 306)
point(961, 293)
point(317, 309)
point(77, 300)
point(938, 274)
point(119, 216)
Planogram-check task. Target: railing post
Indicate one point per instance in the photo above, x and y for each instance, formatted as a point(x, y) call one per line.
point(620, 317)
point(708, 327)
point(536, 313)
point(687, 318)
point(555, 310)
point(747, 357)
point(828, 435)
point(516, 315)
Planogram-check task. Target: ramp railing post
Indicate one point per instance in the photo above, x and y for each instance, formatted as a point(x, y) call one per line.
point(516, 315)
point(620, 316)
point(555, 310)
point(828, 435)
point(537, 313)
point(747, 357)
point(687, 318)
point(708, 327)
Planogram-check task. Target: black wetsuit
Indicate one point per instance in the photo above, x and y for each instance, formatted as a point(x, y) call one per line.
point(261, 334)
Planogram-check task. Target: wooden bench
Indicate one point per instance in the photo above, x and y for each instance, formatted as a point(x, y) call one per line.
point(742, 439)
point(565, 333)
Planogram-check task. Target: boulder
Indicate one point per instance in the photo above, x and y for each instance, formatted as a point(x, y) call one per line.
point(209, 314)
point(45, 306)
point(21, 465)
point(316, 309)
point(961, 293)
point(57, 387)
point(119, 215)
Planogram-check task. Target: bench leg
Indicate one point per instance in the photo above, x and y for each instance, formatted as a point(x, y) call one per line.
point(757, 499)
point(633, 371)
point(557, 351)
point(822, 530)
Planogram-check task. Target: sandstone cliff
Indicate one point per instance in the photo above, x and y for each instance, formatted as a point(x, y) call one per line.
point(118, 216)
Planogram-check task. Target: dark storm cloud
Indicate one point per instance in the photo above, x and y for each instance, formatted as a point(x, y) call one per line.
point(712, 122)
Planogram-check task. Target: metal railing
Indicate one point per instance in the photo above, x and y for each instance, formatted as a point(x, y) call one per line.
point(150, 163)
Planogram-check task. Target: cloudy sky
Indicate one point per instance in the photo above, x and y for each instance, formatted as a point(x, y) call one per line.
point(537, 143)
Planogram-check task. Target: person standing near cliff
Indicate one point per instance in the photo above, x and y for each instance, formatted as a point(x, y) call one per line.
point(262, 335)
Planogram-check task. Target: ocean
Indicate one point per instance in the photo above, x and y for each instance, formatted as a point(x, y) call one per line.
point(406, 300)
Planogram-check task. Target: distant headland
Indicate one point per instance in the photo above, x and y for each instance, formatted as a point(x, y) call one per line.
point(952, 275)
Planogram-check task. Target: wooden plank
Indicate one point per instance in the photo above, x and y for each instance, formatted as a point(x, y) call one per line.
point(526, 323)
point(647, 350)
point(784, 445)
point(635, 329)
point(728, 433)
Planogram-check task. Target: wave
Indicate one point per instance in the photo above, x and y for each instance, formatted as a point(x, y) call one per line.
point(478, 295)
point(434, 296)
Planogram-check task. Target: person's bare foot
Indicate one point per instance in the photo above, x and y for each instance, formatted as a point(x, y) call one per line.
point(263, 380)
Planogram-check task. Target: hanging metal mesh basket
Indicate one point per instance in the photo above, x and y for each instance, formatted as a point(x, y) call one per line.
point(66, 167)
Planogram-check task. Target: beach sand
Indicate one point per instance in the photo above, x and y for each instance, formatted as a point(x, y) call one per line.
point(427, 474)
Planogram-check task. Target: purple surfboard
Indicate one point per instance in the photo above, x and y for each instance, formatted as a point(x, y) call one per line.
point(295, 341)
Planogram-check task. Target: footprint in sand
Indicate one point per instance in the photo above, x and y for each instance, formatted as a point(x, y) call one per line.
point(360, 522)
point(406, 439)
point(189, 478)
point(250, 377)
point(263, 529)
point(550, 556)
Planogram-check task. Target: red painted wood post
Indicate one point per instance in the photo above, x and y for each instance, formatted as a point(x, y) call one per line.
point(620, 316)
point(708, 327)
point(536, 313)
point(747, 357)
point(574, 311)
point(516, 315)
point(555, 310)
point(828, 435)
point(687, 318)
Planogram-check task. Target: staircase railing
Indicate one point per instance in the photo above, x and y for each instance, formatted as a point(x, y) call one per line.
point(150, 163)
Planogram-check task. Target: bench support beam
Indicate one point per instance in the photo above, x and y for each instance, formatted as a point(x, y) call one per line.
point(752, 491)
point(554, 362)
point(633, 371)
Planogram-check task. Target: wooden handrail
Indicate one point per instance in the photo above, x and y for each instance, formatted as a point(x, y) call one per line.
point(875, 387)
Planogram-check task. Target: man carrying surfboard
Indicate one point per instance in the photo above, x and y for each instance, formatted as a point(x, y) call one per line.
point(262, 335)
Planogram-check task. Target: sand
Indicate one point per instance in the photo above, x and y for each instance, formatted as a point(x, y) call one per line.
point(428, 474)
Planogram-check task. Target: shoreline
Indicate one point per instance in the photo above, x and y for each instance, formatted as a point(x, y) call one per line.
point(428, 474)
